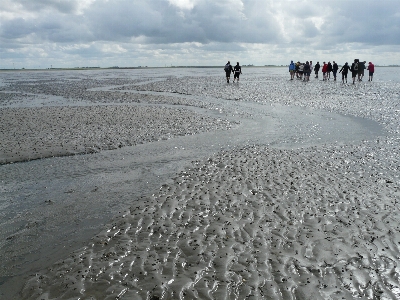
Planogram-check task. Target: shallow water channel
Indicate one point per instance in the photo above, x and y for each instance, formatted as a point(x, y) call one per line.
point(52, 206)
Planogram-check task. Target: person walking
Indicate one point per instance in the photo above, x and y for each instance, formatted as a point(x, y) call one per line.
point(344, 70)
point(307, 71)
point(237, 70)
point(296, 69)
point(354, 70)
point(335, 68)
point(228, 70)
point(324, 71)
point(301, 70)
point(361, 68)
point(316, 69)
point(292, 68)
point(371, 70)
point(329, 70)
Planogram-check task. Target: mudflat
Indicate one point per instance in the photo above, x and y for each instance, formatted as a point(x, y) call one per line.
point(266, 189)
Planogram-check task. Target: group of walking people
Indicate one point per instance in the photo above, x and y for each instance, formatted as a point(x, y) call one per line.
point(303, 70)
point(236, 70)
point(300, 70)
point(357, 69)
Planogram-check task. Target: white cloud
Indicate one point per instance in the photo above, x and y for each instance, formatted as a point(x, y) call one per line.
point(183, 4)
point(113, 49)
point(196, 31)
point(318, 22)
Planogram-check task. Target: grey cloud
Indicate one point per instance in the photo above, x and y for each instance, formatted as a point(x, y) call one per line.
point(369, 22)
point(305, 32)
point(67, 29)
point(128, 19)
point(160, 22)
point(49, 27)
point(211, 27)
point(86, 52)
point(16, 28)
point(63, 6)
point(156, 21)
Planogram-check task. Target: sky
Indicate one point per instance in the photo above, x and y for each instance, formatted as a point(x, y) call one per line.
point(162, 33)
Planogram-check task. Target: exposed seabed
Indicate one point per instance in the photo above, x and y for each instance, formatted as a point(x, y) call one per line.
point(238, 191)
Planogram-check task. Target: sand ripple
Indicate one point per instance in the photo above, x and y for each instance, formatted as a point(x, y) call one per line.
point(250, 223)
point(253, 223)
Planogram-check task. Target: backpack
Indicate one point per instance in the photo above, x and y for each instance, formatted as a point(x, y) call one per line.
point(356, 66)
point(227, 69)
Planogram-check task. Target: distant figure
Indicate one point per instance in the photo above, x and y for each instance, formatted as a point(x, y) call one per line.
point(371, 70)
point(335, 68)
point(228, 70)
point(307, 71)
point(345, 69)
point(361, 68)
point(311, 66)
point(301, 70)
point(292, 69)
point(354, 69)
point(237, 70)
point(316, 69)
point(324, 71)
point(296, 69)
point(329, 70)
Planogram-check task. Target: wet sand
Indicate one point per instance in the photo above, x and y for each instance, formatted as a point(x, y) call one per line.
point(253, 223)
point(33, 133)
point(296, 219)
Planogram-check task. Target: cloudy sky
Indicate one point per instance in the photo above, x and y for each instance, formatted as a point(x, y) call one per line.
point(158, 33)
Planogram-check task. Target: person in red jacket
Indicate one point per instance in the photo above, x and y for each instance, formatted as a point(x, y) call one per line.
point(371, 70)
point(324, 71)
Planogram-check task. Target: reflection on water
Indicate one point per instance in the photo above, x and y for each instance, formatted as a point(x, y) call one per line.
point(53, 206)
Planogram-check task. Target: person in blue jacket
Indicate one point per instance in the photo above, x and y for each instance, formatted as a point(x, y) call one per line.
point(291, 69)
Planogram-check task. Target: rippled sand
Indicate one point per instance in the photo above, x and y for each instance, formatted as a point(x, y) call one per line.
point(253, 223)
point(256, 222)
